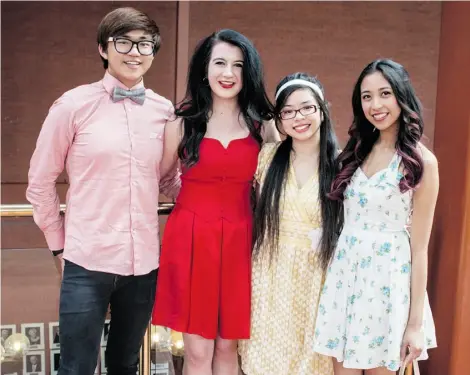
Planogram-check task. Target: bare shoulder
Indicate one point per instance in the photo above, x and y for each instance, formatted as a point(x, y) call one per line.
point(269, 124)
point(429, 159)
point(174, 128)
point(269, 132)
point(430, 179)
point(175, 123)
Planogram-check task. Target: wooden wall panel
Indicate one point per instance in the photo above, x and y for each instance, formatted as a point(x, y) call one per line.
point(49, 48)
point(335, 41)
point(449, 277)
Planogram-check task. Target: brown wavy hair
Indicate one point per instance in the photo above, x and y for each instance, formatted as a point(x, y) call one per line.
point(362, 135)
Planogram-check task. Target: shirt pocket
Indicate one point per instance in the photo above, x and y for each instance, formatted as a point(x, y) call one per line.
point(156, 135)
point(148, 152)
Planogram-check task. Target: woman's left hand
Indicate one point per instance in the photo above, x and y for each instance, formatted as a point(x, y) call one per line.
point(413, 341)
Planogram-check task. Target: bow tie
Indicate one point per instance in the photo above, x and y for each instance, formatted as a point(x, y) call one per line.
point(137, 95)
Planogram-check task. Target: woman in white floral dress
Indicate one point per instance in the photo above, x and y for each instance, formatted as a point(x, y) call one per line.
point(374, 314)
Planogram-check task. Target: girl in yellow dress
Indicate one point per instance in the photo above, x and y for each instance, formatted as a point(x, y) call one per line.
point(295, 233)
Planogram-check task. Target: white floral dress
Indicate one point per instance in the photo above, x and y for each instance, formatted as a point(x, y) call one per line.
point(365, 301)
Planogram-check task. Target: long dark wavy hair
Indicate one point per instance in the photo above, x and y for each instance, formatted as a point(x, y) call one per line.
point(267, 211)
point(363, 137)
point(197, 104)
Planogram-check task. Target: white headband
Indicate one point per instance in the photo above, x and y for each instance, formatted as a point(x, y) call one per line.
point(301, 82)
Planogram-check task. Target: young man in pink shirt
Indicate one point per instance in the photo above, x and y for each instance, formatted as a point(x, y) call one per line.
point(108, 135)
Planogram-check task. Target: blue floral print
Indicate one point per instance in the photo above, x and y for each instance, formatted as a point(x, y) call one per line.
point(365, 300)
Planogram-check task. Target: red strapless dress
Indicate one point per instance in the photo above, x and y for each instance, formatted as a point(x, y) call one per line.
point(204, 281)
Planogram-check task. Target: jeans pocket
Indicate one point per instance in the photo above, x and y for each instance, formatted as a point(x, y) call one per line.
point(83, 290)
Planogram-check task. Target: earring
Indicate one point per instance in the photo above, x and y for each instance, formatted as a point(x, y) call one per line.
point(205, 80)
point(374, 129)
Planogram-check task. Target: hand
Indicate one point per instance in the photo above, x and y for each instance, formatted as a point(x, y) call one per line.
point(413, 341)
point(59, 264)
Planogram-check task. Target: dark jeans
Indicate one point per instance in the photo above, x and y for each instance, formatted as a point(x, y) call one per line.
point(84, 299)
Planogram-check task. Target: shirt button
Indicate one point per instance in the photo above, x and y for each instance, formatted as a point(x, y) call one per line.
point(134, 183)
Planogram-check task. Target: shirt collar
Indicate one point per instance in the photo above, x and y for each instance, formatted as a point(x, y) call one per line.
point(110, 82)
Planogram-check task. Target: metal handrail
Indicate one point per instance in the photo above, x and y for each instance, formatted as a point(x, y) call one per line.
point(164, 208)
point(26, 210)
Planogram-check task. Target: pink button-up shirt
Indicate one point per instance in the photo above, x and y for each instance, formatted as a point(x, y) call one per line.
point(112, 153)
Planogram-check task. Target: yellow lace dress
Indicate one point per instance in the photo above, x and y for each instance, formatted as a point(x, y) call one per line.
point(285, 296)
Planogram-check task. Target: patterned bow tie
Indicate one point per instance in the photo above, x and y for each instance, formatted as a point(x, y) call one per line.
point(137, 95)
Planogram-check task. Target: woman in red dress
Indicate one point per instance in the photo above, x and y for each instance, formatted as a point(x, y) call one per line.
point(204, 284)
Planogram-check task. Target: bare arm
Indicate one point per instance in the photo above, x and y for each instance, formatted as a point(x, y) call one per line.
point(172, 137)
point(269, 132)
point(424, 203)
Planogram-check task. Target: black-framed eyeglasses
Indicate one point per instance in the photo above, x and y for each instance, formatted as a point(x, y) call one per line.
point(125, 45)
point(288, 114)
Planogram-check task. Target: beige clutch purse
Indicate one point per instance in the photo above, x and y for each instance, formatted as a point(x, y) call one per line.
point(411, 369)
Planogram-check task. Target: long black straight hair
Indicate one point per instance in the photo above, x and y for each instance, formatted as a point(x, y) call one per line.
point(197, 104)
point(267, 213)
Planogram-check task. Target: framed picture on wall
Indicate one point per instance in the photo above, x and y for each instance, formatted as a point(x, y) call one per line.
point(55, 360)
point(34, 363)
point(54, 335)
point(104, 336)
point(35, 333)
point(6, 332)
